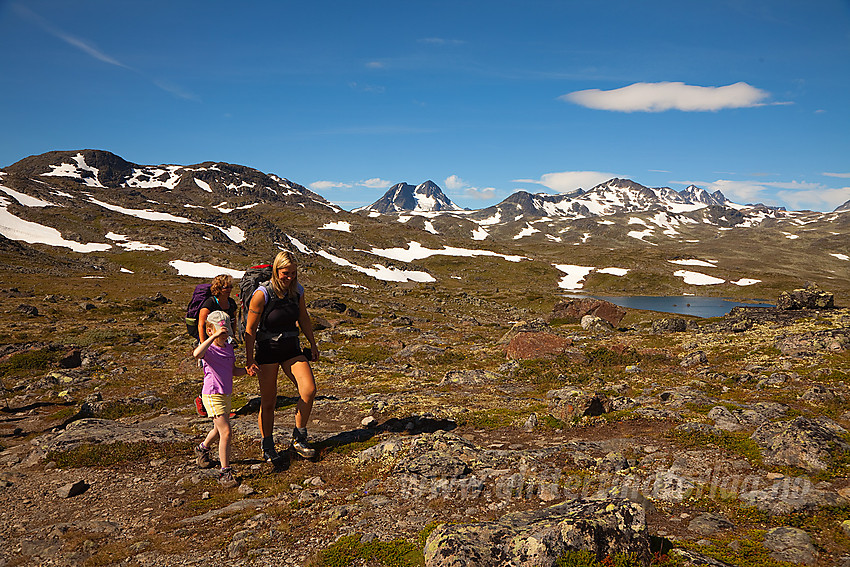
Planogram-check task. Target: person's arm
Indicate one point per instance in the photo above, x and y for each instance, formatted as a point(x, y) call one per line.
point(306, 326)
point(252, 321)
point(201, 349)
point(202, 323)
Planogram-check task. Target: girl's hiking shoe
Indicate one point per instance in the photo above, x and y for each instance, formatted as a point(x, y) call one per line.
point(199, 405)
point(226, 480)
point(301, 447)
point(203, 457)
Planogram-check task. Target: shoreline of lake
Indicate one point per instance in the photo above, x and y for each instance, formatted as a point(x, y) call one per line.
point(694, 305)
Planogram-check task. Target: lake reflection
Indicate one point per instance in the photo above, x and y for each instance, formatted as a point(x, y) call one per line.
point(682, 304)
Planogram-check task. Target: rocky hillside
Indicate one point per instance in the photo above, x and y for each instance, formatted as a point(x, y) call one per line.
point(454, 429)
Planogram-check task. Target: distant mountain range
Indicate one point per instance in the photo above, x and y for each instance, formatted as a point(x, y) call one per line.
point(615, 196)
point(116, 215)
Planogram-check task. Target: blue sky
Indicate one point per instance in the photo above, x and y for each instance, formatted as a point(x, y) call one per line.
point(483, 97)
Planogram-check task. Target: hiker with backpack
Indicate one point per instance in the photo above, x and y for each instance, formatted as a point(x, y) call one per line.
point(276, 312)
point(219, 300)
point(206, 298)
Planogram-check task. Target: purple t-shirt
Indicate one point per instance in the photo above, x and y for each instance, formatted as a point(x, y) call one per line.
point(218, 369)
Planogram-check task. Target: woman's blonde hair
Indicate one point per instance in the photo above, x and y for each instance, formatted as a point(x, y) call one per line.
point(284, 259)
point(219, 283)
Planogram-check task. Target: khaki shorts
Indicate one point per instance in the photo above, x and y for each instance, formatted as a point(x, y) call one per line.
point(216, 404)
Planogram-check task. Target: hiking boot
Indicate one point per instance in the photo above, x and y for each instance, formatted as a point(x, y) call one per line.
point(272, 456)
point(203, 457)
point(226, 479)
point(301, 447)
point(199, 405)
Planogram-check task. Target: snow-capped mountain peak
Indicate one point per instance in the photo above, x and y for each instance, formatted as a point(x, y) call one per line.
point(402, 197)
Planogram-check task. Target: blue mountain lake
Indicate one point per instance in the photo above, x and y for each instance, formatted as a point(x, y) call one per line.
point(681, 304)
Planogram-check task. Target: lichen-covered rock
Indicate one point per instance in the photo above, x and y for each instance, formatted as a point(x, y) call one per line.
point(594, 324)
point(811, 297)
point(791, 544)
point(540, 537)
point(669, 325)
point(802, 442)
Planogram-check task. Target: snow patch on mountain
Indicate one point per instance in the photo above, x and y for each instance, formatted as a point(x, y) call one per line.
point(16, 228)
point(133, 245)
point(203, 270)
point(696, 278)
point(416, 251)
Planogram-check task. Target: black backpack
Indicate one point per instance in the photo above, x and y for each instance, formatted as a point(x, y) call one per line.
point(254, 277)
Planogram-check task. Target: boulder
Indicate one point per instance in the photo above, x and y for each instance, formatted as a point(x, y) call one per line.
point(792, 545)
point(802, 442)
point(533, 326)
point(575, 308)
point(810, 297)
point(536, 345)
point(539, 537)
point(594, 324)
point(669, 325)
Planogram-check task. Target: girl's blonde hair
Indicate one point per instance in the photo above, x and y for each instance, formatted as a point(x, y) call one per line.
point(284, 259)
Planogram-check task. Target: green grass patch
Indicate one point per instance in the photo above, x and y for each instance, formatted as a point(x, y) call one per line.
point(603, 356)
point(491, 418)
point(737, 443)
point(746, 553)
point(28, 361)
point(103, 337)
point(364, 354)
point(350, 550)
point(91, 455)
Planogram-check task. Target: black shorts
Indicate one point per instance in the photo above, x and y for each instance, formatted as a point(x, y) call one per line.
point(275, 352)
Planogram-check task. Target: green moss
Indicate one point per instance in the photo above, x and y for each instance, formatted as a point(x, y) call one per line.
point(602, 356)
point(350, 550)
point(90, 455)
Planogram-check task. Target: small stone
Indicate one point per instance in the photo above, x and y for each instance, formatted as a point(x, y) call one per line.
point(205, 495)
point(369, 421)
point(246, 489)
point(72, 489)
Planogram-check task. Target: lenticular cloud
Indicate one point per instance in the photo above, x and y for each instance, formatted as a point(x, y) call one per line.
point(658, 97)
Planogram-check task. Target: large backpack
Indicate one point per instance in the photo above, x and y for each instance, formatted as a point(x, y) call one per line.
point(201, 294)
point(254, 277)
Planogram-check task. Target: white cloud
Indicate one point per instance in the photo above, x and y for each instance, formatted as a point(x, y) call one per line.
point(323, 185)
point(441, 41)
point(658, 97)
point(454, 182)
point(480, 192)
point(566, 181)
point(376, 183)
point(816, 199)
point(841, 175)
point(457, 185)
point(794, 195)
point(375, 65)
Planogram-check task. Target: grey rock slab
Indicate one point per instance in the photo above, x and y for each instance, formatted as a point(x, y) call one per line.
point(105, 431)
point(539, 537)
point(707, 524)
